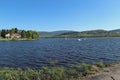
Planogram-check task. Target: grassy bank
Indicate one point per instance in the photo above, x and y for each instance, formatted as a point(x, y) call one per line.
point(15, 39)
point(51, 73)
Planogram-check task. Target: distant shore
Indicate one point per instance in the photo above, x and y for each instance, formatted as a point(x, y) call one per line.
point(76, 37)
point(15, 39)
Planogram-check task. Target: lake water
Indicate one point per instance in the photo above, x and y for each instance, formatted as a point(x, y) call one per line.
point(35, 54)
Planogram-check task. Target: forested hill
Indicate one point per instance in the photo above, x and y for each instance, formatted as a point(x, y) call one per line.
point(90, 33)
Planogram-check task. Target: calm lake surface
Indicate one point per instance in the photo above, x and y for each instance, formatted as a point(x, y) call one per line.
point(35, 54)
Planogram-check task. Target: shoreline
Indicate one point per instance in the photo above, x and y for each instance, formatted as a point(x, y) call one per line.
point(111, 72)
point(73, 72)
point(96, 72)
point(21, 39)
point(79, 37)
point(24, 39)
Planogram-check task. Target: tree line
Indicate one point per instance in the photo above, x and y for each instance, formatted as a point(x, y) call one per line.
point(24, 34)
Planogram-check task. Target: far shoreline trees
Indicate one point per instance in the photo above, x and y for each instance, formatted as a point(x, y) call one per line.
point(15, 33)
point(29, 34)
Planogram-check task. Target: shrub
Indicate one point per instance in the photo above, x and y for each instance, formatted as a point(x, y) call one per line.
point(100, 64)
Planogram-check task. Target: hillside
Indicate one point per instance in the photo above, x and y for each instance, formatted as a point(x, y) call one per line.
point(115, 31)
point(53, 33)
point(90, 33)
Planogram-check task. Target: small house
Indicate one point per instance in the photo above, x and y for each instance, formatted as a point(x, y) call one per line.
point(16, 35)
point(7, 35)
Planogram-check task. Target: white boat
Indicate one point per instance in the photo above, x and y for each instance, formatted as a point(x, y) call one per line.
point(79, 39)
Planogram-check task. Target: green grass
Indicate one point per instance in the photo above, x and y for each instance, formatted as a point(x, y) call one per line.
point(14, 39)
point(49, 73)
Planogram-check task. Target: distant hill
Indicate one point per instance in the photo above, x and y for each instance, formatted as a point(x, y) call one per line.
point(115, 31)
point(53, 33)
point(90, 33)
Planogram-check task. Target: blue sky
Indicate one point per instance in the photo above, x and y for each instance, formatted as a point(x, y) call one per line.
point(51, 15)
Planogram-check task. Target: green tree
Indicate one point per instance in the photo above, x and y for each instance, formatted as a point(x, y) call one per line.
point(23, 34)
point(32, 34)
point(35, 35)
point(16, 30)
point(3, 33)
point(12, 31)
point(29, 34)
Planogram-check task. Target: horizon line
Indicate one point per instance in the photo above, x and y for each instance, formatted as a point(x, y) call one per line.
point(61, 29)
